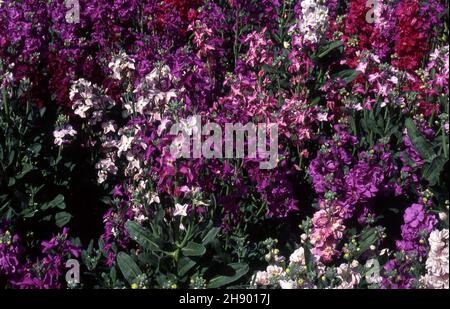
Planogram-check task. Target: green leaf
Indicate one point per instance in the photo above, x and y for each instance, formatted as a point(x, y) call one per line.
point(148, 258)
point(25, 170)
point(325, 50)
point(62, 218)
point(185, 264)
point(11, 182)
point(42, 111)
point(128, 267)
point(212, 234)
point(58, 201)
point(11, 157)
point(239, 269)
point(36, 148)
point(315, 101)
point(422, 145)
point(309, 258)
point(113, 274)
point(193, 249)
point(372, 268)
point(28, 213)
point(347, 75)
point(367, 239)
point(142, 236)
point(432, 171)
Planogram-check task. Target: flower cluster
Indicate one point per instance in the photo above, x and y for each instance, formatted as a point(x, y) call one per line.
point(10, 250)
point(358, 96)
point(437, 261)
point(314, 19)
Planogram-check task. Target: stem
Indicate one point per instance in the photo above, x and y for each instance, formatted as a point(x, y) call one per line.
point(5, 102)
point(444, 144)
point(4, 95)
point(236, 37)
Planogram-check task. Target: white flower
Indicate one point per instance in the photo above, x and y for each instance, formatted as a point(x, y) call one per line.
point(298, 256)
point(139, 216)
point(179, 144)
point(438, 241)
point(154, 198)
point(437, 263)
point(274, 271)
point(180, 210)
point(163, 126)
point(7, 78)
point(190, 125)
point(105, 167)
point(261, 278)
point(108, 127)
point(393, 80)
point(314, 20)
point(154, 92)
point(435, 282)
point(349, 275)
point(159, 74)
point(81, 109)
point(61, 134)
point(86, 97)
point(287, 285)
point(374, 278)
point(142, 104)
point(119, 64)
point(385, 251)
point(354, 264)
point(322, 117)
point(124, 144)
point(133, 167)
point(362, 66)
point(114, 231)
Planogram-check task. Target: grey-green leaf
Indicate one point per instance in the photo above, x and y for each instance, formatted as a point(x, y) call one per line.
point(58, 201)
point(329, 47)
point(142, 236)
point(185, 264)
point(193, 249)
point(240, 270)
point(420, 143)
point(128, 267)
point(368, 238)
point(433, 171)
point(348, 75)
point(62, 218)
point(210, 236)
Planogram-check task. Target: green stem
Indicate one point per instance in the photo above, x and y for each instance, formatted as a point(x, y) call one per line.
point(4, 95)
point(236, 38)
point(444, 144)
point(5, 102)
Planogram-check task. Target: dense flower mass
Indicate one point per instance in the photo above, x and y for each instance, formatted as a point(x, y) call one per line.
point(114, 144)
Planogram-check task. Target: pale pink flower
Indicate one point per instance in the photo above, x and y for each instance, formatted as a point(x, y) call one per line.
point(298, 256)
point(180, 210)
point(261, 278)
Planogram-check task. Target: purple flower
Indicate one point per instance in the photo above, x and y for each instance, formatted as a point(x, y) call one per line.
point(10, 251)
point(418, 224)
point(47, 272)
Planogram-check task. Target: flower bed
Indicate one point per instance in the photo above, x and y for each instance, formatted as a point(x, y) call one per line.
point(344, 103)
